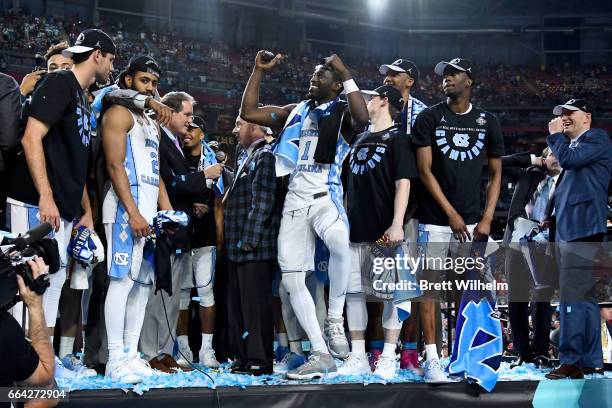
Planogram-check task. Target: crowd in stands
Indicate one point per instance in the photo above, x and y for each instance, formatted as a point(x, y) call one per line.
point(214, 68)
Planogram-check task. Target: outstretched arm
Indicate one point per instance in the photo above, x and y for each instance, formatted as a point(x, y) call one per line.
point(273, 116)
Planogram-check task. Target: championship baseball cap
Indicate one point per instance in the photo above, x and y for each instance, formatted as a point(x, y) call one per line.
point(573, 105)
point(198, 122)
point(458, 64)
point(141, 63)
point(389, 92)
point(89, 40)
point(401, 65)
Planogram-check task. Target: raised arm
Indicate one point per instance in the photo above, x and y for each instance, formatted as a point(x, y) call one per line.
point(356, 102)
point(273, 116)
point(116, 122)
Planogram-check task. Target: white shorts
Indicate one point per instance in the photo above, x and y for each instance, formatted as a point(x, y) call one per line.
point(23, 217)
point(125, 255)
point(296, 237)
point(360, 256)
point(203, 268)
point(438, 242)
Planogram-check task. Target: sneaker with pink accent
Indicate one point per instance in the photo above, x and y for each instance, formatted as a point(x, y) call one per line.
point(409, 359)
point(373, 357)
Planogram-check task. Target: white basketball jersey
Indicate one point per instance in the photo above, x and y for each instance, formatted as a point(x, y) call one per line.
point(142, 168)
point(308, 178)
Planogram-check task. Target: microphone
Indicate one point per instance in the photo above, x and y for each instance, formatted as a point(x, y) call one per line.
point(220, 156)
point(33, 235)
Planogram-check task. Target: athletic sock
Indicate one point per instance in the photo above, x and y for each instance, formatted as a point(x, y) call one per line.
point(358, 347)
point(115, 350)
point(283, 340)
point(389, 350)
point(183, 341)
point(207, 341)
point(66, 346)
point(376, 344)
point(431, 352)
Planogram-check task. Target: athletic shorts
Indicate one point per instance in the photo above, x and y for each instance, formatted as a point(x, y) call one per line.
point(22, 217)
point(360, 275)
point(203, 268)
point(298, 230)
point(125, 255)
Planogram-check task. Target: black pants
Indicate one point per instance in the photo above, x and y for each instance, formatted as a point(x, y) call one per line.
point(521, 284)
point(250, 312)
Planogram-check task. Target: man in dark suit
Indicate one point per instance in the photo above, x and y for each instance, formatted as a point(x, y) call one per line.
point(580, 206)
point(535, 178)
point(252, 219)
point(184, 189)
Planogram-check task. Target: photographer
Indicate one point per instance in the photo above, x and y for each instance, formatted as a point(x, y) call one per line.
point(23, 362)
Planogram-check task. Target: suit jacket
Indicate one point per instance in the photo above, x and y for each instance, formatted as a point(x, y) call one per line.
point(582, 194)
point(252, 210)
point(184, 187)
point(518, 168)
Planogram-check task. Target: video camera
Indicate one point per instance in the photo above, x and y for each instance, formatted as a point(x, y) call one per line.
point(13, 262)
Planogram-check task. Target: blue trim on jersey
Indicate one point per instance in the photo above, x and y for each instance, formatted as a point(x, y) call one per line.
point(122, 249)
point(333, 179)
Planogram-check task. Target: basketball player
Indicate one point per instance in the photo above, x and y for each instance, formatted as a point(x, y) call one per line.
point(203, 240)
point(322, 127)
point(130, 141)
point(381, 164)
point(403, 75)
point(48, 184)
point(454, 140)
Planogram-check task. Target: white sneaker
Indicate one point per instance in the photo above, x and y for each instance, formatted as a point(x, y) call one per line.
point(208, 359)
point(61, 371)
point(386, 367)
point(434, 372)
point(141, 367)
point(355, 364)
point(121, 371)
point(74, 364)
point(186, 361)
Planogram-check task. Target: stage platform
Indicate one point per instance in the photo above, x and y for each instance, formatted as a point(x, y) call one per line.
point(519, 387)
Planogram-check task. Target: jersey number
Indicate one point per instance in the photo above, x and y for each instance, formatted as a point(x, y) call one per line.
point(154, 165)
point(305, 155)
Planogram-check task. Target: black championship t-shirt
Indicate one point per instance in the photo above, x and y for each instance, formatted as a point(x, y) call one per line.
point(460, 146)
point(202, 230)
point(376, 161)
point(19, 360)
point(60, 103)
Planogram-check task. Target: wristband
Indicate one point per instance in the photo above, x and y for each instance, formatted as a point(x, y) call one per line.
point(350, 86)
point(140, 101)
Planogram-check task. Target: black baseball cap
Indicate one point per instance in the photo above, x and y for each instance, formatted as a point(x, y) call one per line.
point(401, 65)
point(389, 92)
point(141, 63)
point(457, 64)
point(198, 122)
point(90, 40)
point(573, 105)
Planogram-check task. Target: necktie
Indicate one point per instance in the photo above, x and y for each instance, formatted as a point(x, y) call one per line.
point(539, 207)
point(242, 157)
